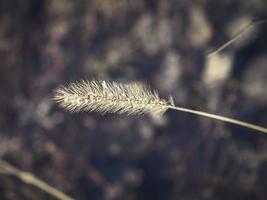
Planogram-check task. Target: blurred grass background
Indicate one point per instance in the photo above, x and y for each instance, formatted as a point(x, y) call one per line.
point(163, 43)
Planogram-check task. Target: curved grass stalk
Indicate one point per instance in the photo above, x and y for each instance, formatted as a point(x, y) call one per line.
point(221, 118)
point(28, 178)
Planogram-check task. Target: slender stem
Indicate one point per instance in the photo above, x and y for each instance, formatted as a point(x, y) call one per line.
point(29, 178)
point(237, 35)
point(221, 118)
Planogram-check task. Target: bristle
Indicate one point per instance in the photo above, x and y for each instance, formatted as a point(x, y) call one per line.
point(110, 97)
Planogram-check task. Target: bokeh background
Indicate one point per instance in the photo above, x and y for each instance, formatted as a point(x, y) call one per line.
point(163, 43)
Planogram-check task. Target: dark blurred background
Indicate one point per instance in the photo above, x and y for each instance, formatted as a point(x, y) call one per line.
point(163, 43)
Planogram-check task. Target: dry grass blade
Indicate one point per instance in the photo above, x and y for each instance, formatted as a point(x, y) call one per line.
point(28, 178)
point(120, 98)
point(237, 36)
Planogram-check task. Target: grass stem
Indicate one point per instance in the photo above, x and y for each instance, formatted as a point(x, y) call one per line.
point(221, 118)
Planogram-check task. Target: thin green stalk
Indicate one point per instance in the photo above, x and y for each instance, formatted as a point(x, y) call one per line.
point(221, 118)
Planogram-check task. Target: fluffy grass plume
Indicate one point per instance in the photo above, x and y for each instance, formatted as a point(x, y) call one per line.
point(112, 97)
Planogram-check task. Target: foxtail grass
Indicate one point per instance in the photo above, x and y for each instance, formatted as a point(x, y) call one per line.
point(111, 97)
